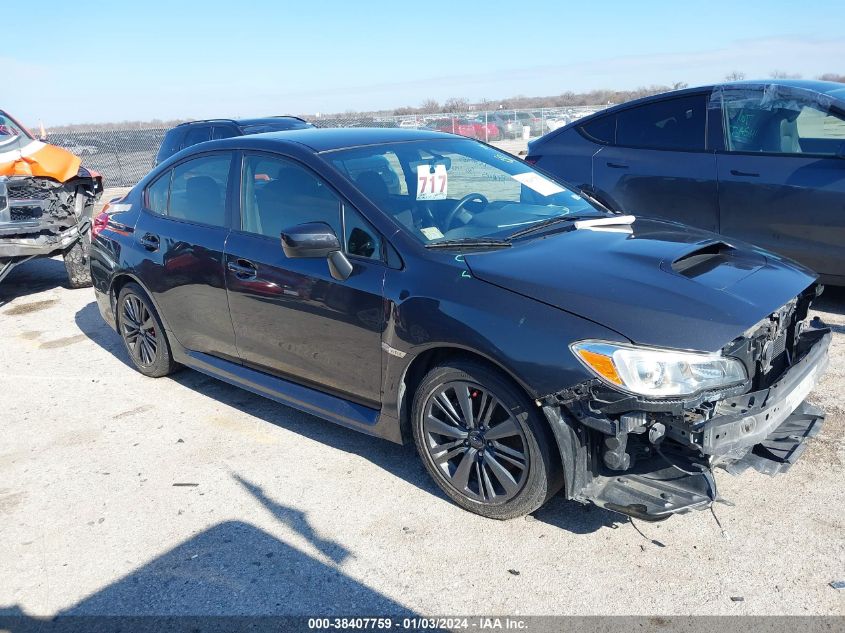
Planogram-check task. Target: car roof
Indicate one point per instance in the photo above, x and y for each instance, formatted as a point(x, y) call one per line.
point(831, 88)
point(327, 139)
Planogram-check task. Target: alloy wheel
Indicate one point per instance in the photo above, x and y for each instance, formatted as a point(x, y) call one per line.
point(476, 442)
point(139, 330)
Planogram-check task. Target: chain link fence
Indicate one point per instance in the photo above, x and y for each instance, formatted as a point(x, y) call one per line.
point(124, 155)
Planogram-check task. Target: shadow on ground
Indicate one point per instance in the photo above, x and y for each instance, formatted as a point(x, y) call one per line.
point(832, 300)
point(400, 461)
point(232, 569)
point(32, 277)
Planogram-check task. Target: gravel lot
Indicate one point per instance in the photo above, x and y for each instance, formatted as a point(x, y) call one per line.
point(121, 494)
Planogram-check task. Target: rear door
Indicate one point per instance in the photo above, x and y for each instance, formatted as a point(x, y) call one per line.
point(782, 174)
point(658, 163)
point(182, 232)
point(291, 317)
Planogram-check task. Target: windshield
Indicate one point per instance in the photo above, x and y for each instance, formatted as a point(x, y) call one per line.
point(447, 189)
point(9, 129)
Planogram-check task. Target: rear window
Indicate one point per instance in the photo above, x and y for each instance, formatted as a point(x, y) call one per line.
point(674, 124)
point(170, 144)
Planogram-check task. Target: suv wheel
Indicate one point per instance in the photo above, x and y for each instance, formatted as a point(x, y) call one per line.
point(483, 441)
point(142, 333)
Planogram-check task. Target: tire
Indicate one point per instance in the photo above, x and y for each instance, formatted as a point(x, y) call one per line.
point(76, 264)
point(142, 333)
point(500, 463)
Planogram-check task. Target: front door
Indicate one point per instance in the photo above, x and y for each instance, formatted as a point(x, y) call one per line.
point(291, 318)
point(183, 232)
point(782, 176)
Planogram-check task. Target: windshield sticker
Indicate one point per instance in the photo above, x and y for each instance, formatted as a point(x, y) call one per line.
point(432, 183)
point(431, 233)
point(543, 186)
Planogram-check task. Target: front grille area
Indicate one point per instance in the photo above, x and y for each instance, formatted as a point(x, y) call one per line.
point(24, 214)
point(29, 189)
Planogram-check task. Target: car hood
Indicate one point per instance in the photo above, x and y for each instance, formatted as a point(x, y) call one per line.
point(654, 282)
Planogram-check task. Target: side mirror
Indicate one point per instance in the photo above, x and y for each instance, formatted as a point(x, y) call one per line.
point(317, 239)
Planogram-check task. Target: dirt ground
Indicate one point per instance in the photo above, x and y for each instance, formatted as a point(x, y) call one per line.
point(121, 494)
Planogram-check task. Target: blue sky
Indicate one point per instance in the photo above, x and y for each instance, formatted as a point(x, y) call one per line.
point(100, 61)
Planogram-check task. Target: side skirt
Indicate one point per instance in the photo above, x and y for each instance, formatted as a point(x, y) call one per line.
point(312, 401)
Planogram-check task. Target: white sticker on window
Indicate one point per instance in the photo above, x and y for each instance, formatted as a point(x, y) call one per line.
point(432, 184)
point(431, 233)
point(543, 186)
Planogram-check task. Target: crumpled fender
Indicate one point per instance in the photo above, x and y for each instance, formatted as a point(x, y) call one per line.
point(37, 158)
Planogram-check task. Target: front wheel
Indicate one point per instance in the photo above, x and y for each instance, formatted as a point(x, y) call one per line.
point(483, 441)
point(77, 265)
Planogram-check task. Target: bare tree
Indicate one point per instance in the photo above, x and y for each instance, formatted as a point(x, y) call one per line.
point(735, 75)
point(430, 106)
point(680, 85)
point(456, 104)
point(832, 77)
point(780, 74)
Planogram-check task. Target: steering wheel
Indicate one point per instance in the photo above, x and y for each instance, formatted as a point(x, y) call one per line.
point(461, 203)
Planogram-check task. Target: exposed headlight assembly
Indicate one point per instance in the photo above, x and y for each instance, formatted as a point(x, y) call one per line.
point(658, 372)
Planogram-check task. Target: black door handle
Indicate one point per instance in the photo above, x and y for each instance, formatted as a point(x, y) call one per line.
point(617, 165)
point(150, 241)
point(242, 268)
point(748, 174)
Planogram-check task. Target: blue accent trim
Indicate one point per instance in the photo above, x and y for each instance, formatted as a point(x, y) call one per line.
point(305, 399)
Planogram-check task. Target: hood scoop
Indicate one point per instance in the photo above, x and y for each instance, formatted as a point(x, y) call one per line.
point(717, 264)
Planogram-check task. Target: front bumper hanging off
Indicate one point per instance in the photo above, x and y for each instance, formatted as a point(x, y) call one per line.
point(765, 430)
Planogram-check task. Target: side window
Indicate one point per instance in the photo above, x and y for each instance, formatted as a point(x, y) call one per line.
point(673, 124)
point(159, 192)
point(360, 238)
point(198, 189)
point(820, 131)
point(774, 120)
point(278, 193)
point(196, 134)
point(225, 131)
point(602, 130)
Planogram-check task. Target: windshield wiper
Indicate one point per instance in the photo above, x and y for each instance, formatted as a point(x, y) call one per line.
point(547, 222)
point(596, 201)
point(471, 242)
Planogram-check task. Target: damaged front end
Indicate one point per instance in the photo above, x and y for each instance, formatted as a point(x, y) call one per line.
point(651, 457)
point(46, 197)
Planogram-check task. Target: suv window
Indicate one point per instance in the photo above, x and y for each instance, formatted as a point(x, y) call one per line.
point(674, 124)
point(602, 130)
point(196, 134)
point(277, 194)
point(225, 131)
point(194, 190)
point(771, 120)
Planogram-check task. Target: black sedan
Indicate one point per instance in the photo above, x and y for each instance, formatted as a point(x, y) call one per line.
point(524, 339)
point(760, 161)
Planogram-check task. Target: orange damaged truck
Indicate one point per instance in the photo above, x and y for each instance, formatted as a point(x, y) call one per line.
point(46, 202)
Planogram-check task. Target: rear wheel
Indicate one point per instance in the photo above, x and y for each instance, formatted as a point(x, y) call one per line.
point(483, 441)
point(142, 333)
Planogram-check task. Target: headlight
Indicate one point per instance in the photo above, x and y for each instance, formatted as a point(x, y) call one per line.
point(657, 372)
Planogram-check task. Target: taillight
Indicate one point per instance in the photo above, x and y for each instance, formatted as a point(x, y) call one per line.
point(531, 160)
point(99, 223)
